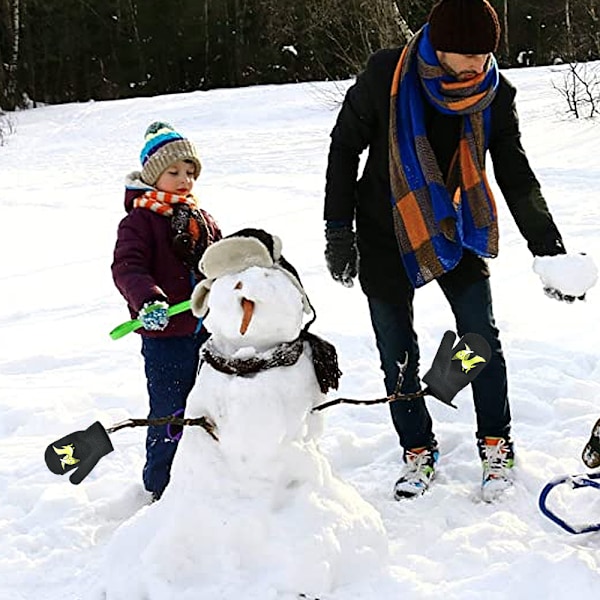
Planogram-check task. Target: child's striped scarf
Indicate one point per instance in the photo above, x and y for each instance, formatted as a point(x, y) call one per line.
point(434, 220)
point(191, 233)
point(162, 202)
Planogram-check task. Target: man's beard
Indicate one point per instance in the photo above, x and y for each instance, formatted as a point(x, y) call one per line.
point(461, 75)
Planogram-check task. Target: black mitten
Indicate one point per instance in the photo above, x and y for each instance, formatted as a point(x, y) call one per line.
point(453, 368)
point(341, 254)
point(79, 450)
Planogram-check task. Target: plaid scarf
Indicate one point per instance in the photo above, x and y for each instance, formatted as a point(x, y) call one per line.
point(163, 202)
point(435, 220)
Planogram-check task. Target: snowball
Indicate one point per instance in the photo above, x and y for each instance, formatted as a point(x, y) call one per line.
point(571, 274)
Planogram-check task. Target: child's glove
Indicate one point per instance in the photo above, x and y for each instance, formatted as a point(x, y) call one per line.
point(154, 316)
point(566, 277)
point(453, 368)
point(79, 450)
point(341, 254)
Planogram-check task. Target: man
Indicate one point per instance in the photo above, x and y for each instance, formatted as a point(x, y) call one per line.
point(424, 211)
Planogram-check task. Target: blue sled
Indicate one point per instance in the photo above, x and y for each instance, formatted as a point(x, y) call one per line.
point(575, 481)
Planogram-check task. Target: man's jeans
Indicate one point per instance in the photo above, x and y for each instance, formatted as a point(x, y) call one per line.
point(395, 336)
point(171, 365)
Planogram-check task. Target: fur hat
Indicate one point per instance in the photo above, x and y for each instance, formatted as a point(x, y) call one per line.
point(236, 252)
point(464, 27)
point(163, 146)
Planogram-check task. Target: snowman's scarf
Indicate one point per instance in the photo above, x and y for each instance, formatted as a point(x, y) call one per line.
point(286, 354)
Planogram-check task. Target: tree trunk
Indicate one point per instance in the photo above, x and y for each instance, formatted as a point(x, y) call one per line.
point(505, 31)
point(133, 11)
point(569, 29)
point(3, 34)
point(13, 61)
point(405, 30)
point(594, 29)
point(206, 79)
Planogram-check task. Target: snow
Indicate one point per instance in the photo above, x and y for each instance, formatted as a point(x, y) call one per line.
point(570, 274)
point(291, 49)
point(272, 517)
point(273, 322)
point(264, 151)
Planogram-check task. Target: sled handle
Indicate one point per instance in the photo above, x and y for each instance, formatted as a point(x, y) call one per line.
point(576, 481)
point(124, 328)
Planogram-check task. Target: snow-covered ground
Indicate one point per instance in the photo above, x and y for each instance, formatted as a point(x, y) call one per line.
point(264, 153)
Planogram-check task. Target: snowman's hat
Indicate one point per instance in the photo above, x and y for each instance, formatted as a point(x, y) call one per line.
point(236, 252)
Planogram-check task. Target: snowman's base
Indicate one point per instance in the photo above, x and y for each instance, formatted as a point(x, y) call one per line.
point(215, 534)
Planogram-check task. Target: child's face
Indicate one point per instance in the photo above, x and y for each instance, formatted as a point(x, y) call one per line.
point(177, 179)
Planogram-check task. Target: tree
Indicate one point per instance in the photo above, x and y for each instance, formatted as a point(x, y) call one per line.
point(580, 88)
point(10, 18)
point(569, 30)
point(505, 37)
point(73, 50)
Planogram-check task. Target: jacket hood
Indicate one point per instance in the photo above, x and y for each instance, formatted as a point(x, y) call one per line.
point(134, 187)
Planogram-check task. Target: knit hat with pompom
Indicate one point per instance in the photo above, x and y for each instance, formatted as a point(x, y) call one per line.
point(163, 146)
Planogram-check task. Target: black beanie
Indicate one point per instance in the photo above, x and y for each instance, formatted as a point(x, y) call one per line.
point(464, 27)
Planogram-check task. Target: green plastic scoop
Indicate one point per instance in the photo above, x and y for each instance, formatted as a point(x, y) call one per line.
point(124, 328)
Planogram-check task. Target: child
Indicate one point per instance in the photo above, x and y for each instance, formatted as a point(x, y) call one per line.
point(159, 244)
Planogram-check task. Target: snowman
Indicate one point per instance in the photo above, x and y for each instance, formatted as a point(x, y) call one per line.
point(254, 510)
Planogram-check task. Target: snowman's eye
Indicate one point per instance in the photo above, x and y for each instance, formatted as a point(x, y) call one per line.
point(238, 286)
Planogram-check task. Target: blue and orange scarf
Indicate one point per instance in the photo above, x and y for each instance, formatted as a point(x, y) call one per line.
point(435, 220)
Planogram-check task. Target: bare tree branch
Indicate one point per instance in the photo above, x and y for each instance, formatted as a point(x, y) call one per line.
point(580, 87)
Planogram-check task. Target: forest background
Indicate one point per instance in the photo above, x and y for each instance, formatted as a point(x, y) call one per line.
point(56, 51)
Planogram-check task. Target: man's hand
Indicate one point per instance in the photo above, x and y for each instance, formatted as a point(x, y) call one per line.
point(341, 254)
point(566, 277)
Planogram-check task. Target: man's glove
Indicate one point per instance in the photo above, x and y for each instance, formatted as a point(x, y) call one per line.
point(79, 450)
point(453, 368)
point(566, 277)
point(341, 254)
point(154, 316)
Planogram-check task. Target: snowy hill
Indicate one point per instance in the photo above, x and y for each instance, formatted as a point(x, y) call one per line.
point(264, 153)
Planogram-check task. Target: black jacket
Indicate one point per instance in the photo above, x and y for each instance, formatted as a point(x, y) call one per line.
point(363, 122)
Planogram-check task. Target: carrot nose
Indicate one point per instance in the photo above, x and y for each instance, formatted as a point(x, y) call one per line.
point(248, 310)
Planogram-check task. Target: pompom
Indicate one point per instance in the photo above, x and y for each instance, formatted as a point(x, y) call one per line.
point(157, 126)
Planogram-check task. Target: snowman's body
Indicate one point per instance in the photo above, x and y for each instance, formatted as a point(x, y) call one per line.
point(260, 414)
point(259, 511)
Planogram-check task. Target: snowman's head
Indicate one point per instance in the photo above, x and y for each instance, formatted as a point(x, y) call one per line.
point(252, 293)
point(258, 307)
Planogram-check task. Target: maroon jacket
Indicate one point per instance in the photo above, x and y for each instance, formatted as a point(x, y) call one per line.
point(145, 266)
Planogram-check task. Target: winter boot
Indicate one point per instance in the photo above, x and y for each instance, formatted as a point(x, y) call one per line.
point(418, 473)
point(498, 458)
point(591, 452)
